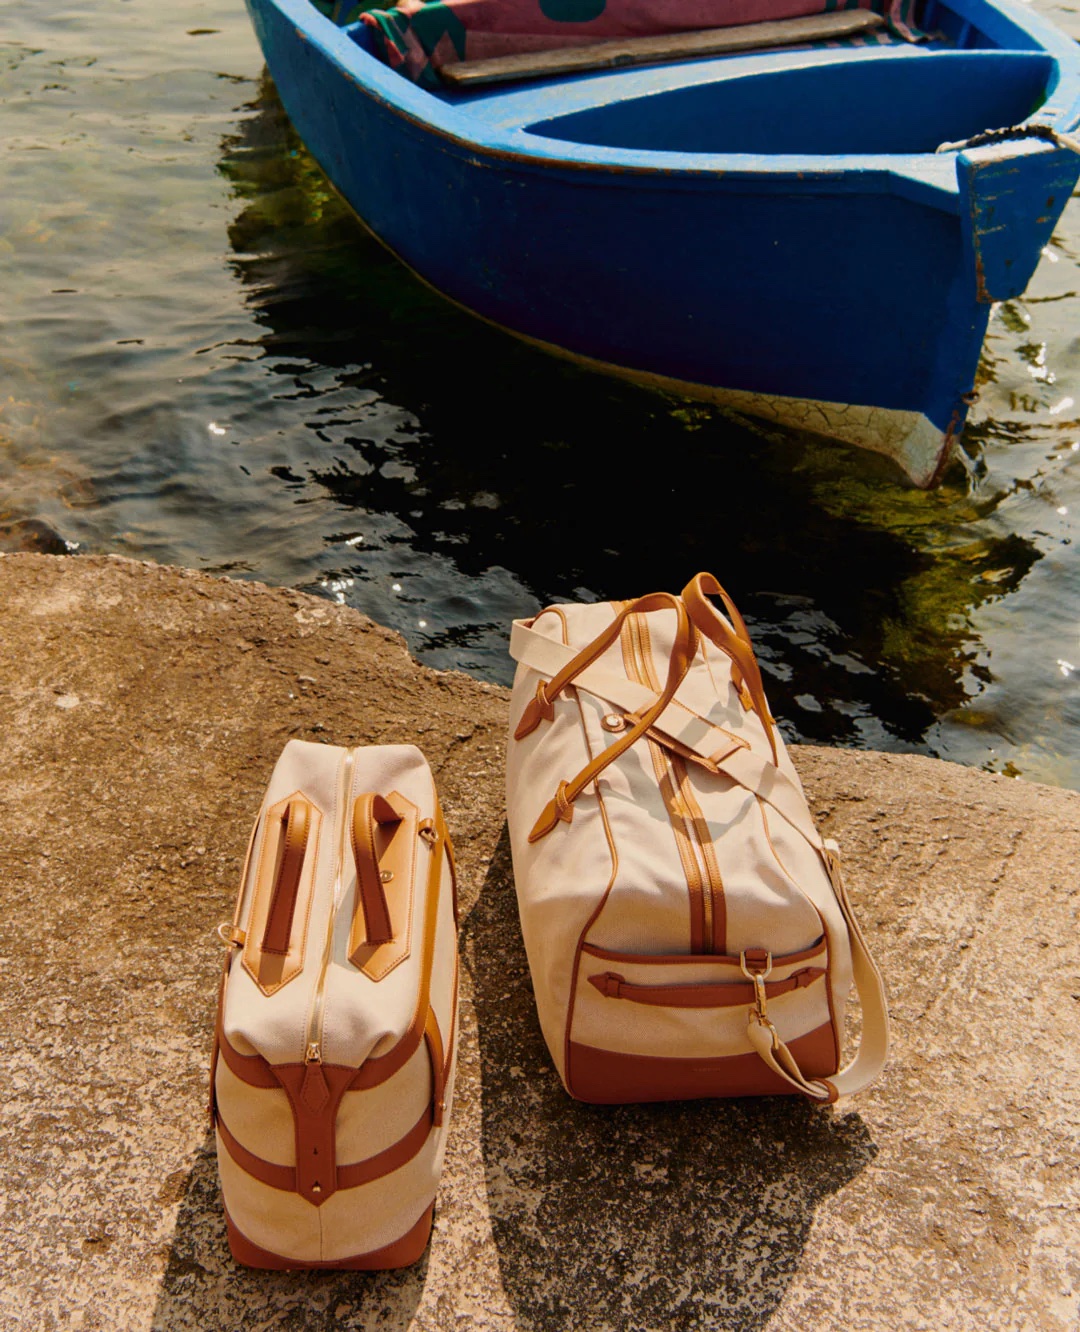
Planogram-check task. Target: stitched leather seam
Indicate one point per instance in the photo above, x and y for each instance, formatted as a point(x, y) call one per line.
point(349, 1176)
point(567, 1076)
point(715, 959)
point(637, 654)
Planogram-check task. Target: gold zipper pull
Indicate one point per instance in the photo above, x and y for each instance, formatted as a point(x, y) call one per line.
point(314, 1054)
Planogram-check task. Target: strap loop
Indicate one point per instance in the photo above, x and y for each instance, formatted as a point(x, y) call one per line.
point(734, 640)
point(682, 655)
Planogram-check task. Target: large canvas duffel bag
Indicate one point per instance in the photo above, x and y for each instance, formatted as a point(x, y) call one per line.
point(334, 1053)
point(687, 927)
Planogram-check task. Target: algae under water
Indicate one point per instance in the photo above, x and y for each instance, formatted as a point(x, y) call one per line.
point(206, 360)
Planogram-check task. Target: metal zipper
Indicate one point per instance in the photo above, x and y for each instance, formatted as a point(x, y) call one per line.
point(699, 862)
point(313, 1045)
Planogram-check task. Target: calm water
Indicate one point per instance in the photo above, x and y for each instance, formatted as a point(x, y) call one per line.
point(204, 360)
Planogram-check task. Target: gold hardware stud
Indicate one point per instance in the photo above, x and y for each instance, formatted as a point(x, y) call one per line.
point(613, 722)
point(386, 875)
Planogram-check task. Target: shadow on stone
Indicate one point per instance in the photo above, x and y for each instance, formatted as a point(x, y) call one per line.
point(680, 1216)
point(203, 1288)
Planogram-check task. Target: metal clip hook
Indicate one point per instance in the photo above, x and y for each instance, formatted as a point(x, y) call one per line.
point(759, 977)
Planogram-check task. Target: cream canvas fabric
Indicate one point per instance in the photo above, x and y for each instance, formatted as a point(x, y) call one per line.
point(333, 1068)
point(687, 927)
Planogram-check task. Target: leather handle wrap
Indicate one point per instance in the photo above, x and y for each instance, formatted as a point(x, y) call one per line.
point(371, 919)
point(732, 639)
point(293, 832)
point(561, 806)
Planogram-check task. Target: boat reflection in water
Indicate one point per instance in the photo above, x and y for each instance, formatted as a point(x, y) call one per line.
point(464, 478)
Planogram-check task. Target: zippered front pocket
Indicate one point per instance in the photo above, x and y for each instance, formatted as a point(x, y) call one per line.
point(692, 1006)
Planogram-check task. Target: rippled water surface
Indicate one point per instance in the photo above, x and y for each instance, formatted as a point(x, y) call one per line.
point(205, 360)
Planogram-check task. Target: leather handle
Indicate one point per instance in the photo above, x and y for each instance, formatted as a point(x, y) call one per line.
point(371, 919)
point(561, 806)
point(292, 831)
point(734, 640)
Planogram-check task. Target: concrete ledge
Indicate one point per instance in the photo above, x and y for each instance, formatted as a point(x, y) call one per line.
point(143, 709)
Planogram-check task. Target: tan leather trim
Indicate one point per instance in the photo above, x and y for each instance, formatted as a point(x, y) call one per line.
point(374, 1071)
point(315, 1091)
point(442, 831)
point(604, 1078)
point(436, 1058)
point(722, 994)
point(349, 1176)
point(561, 806)
point(384, 835)
point(589, 923)
point(372, 813)
point(636, 652)
point(718, 959)
point(708, 908)
point(734, 640)
point(713, 906)
point(294, 840)
point(252, 1069)
point(284, 884)
point(266, 1172)
point(402, 1252)
point(713, 877)
point(393, 1158)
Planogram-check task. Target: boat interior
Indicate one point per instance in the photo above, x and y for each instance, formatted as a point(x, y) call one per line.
point(972, 68)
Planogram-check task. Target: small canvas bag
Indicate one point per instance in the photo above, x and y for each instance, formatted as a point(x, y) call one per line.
point(334, 1054)
point(687, 927)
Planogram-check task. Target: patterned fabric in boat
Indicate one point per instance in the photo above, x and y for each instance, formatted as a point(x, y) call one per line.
point(415, 37)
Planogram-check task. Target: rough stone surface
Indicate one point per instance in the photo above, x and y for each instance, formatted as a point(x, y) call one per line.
point(143, 709)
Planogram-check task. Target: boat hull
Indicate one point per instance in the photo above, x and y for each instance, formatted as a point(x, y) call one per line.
point(847, 305)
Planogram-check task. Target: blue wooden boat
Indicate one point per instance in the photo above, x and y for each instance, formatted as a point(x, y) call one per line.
point(774, 230)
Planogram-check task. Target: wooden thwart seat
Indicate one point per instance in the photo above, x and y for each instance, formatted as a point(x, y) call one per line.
point(655, 50)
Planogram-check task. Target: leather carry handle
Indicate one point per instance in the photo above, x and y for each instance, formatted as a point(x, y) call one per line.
point(541, 708)
point(734, 640)
point(722, 994)
point(292, 830)
point(371, 918)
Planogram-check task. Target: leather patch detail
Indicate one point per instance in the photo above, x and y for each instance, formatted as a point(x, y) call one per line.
point(314, 1091)
point(603, 1077)
point(402, 1252)
point(282, 893)
point(345, 1177)
point(315, 1123)
point(392, 851)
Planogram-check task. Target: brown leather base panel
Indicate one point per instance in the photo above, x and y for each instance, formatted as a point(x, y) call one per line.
point(402, 1253)
point(603, 1077)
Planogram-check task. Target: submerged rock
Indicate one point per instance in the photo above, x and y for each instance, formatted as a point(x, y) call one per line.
point(31, 536)
point(144, 708)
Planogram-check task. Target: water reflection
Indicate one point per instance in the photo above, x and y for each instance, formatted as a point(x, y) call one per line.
point(488, 479)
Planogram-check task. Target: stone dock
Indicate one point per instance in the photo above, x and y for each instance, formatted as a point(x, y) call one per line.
point(143, 708)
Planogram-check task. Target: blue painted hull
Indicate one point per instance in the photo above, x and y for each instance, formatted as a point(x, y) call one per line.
point(837, 281)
